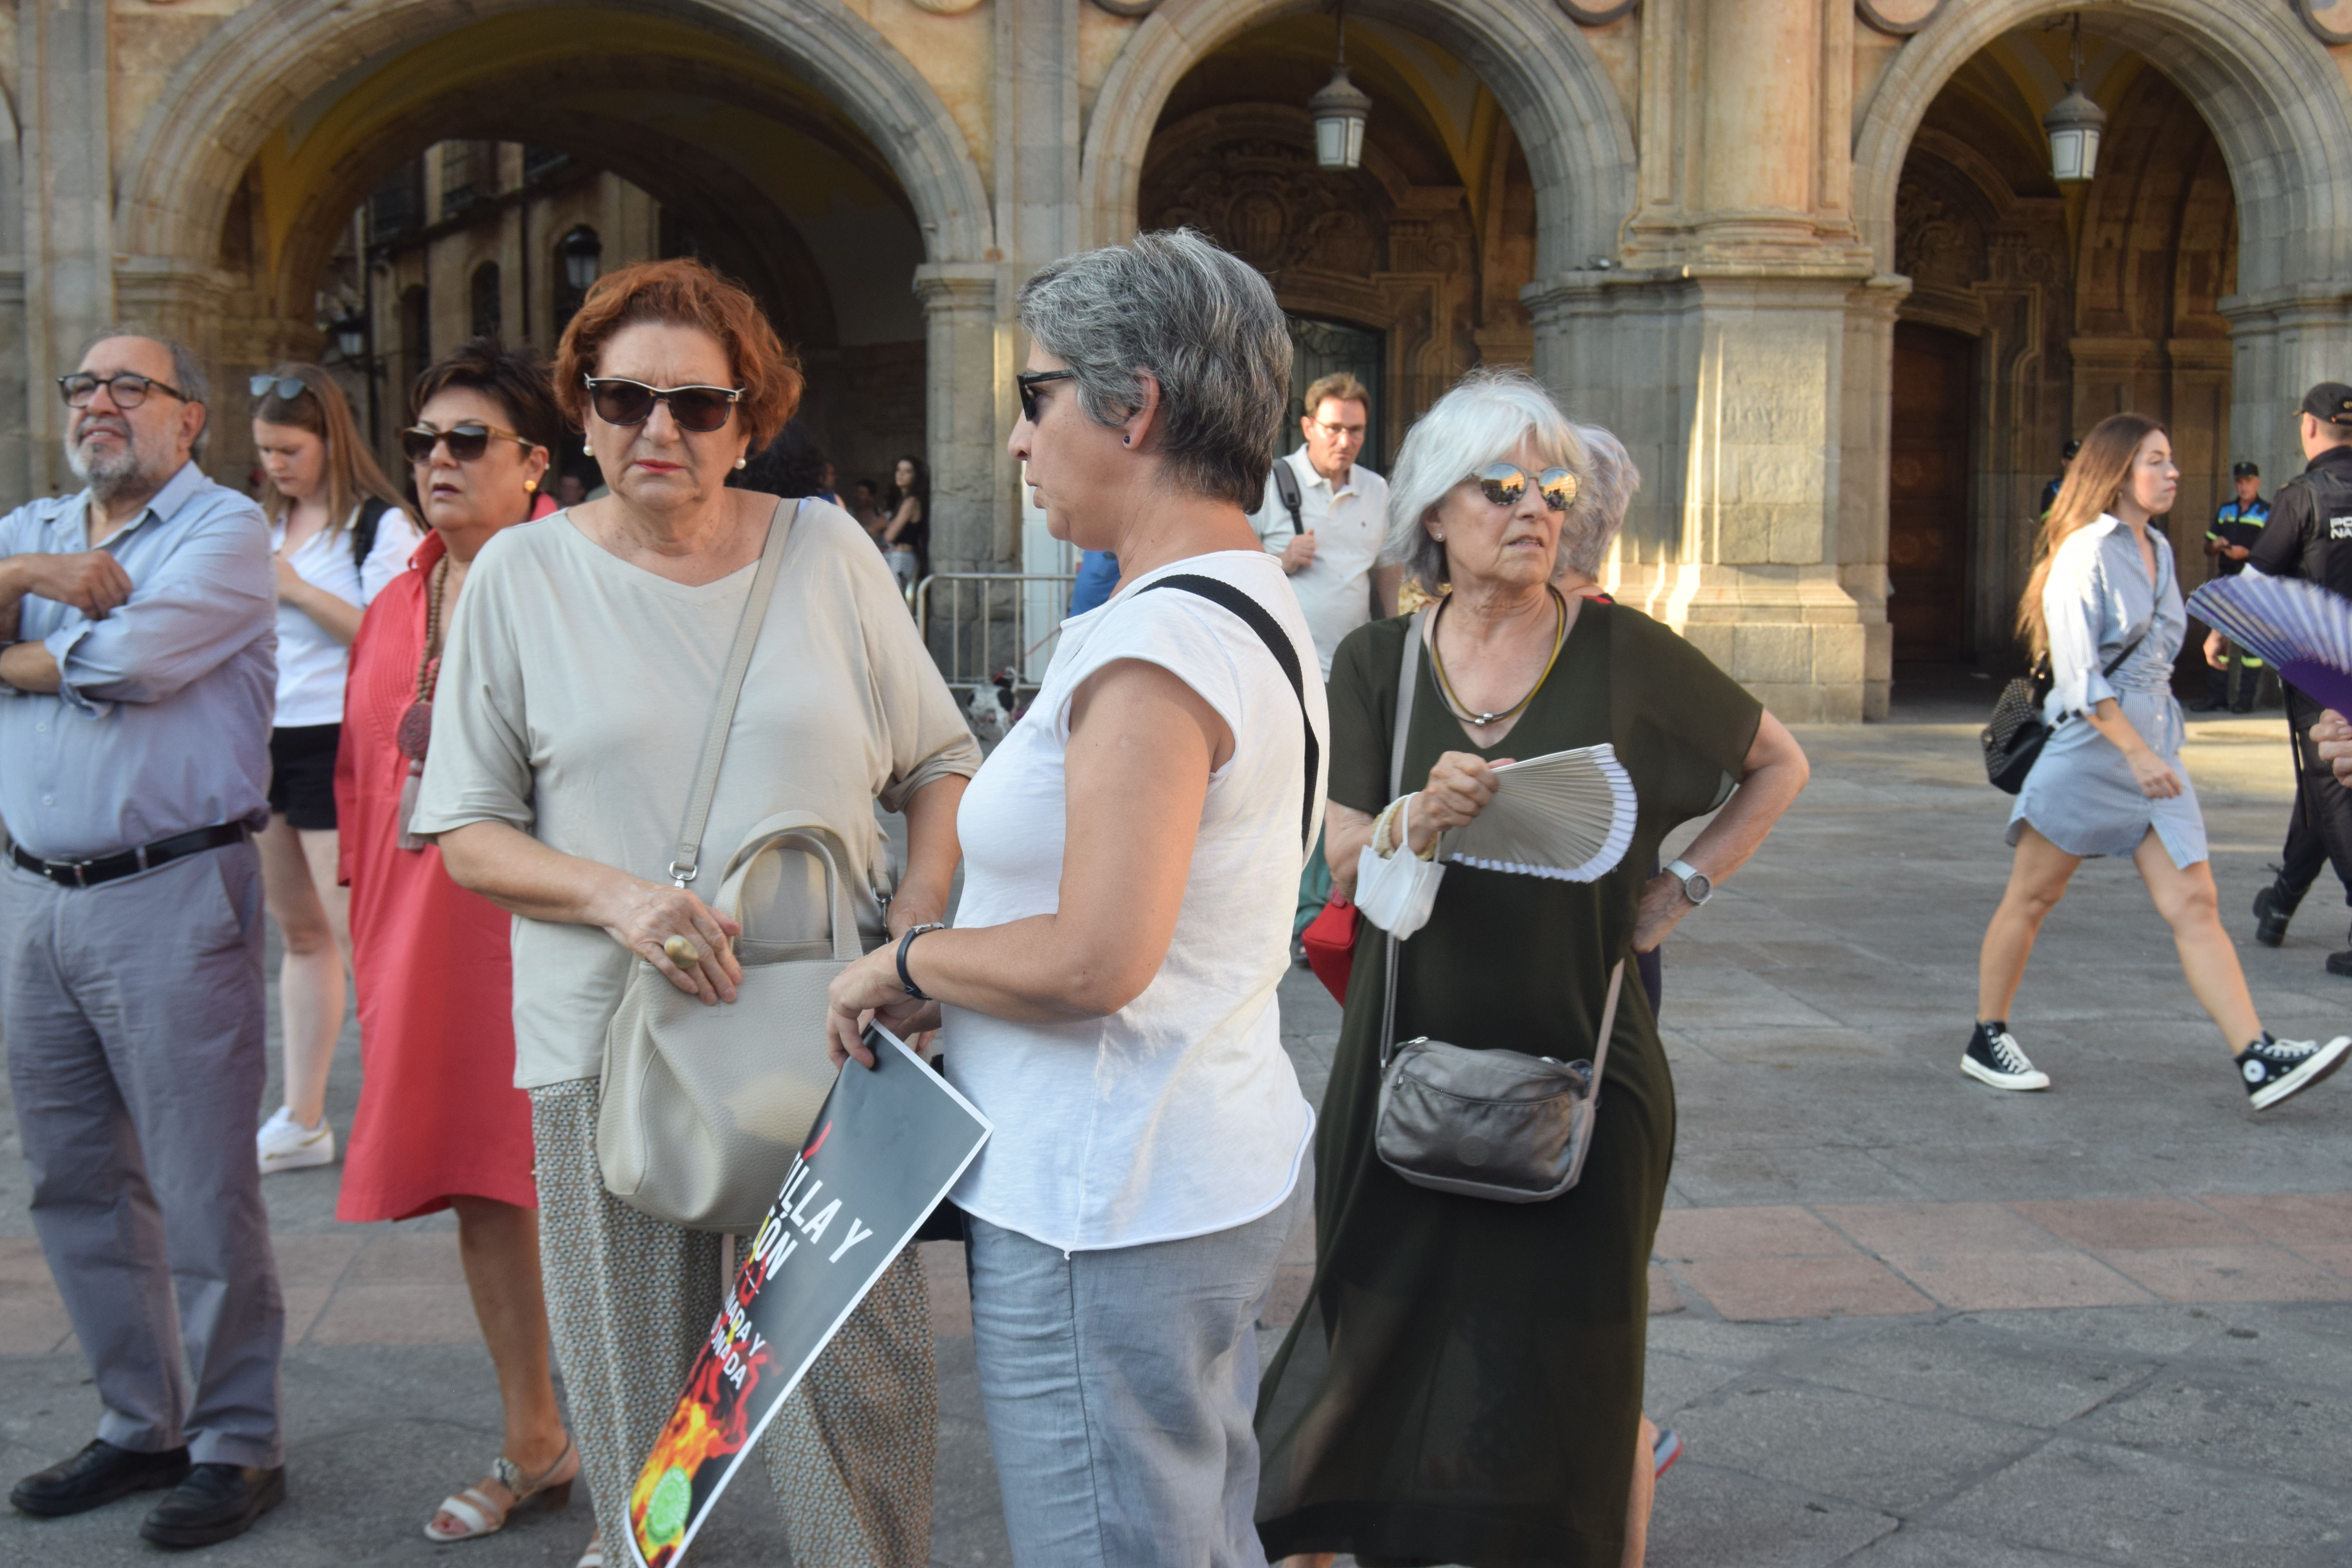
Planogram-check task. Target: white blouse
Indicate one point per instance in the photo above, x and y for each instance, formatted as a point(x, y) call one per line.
point(1178, 1114)
point(311, 663)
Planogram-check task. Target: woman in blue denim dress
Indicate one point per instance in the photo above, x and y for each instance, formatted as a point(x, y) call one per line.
point(2104, 602)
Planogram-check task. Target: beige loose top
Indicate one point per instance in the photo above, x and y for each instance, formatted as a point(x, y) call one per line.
point(572, 701)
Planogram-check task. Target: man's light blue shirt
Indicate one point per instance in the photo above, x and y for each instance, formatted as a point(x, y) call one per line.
point(160, 722)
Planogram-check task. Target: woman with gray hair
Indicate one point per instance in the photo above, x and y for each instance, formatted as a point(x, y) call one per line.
point(1464, 1383)
point(1132, 857)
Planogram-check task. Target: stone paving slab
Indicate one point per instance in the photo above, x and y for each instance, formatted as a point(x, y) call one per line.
point(1903, 1321)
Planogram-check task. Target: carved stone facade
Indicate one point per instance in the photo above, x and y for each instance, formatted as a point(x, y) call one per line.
point(1720, 227)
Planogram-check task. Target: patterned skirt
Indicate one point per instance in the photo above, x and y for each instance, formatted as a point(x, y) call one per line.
point(629, 1299)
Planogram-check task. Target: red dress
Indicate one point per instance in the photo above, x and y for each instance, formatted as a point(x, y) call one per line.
point(439, 1115)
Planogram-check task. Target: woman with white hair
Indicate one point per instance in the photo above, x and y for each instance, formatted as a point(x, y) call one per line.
point(1132, 856)
point(1464, 1383)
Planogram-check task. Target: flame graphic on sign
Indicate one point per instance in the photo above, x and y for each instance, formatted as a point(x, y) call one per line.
point(709, 1426)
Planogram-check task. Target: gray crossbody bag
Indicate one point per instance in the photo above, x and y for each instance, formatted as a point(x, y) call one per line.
point(1495, 1124)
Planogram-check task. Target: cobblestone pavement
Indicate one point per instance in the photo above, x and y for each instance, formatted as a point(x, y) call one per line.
point(1900, 1320)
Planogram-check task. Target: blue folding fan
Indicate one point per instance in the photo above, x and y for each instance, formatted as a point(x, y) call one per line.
point(2304, 631)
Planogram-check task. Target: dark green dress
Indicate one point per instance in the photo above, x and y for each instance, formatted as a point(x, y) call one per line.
point(1464, 1385)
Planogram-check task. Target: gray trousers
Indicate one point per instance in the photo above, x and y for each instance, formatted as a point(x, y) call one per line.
point(1120, 1388)
point(134, 1020)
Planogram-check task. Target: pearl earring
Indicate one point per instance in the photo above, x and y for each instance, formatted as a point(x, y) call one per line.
point(586, 450)
point(1439, 537)
point(742, 462)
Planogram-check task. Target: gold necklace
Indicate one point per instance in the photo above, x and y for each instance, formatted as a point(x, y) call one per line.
point(1462, 710)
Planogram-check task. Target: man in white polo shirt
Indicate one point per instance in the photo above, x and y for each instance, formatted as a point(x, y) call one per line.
point(1326, 517)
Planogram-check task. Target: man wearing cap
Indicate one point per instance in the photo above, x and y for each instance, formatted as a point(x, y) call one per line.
point(138, 679)
point(2309, 535)
point(2237, 527)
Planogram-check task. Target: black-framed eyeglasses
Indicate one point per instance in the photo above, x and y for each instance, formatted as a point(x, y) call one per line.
point(128, 390)
point(1028, 382)
point(620, 401)
point(287, 387)
point(1505, 483)
point(468, 439)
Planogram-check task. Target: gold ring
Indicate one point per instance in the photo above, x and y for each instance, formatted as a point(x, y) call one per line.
point(682, 951)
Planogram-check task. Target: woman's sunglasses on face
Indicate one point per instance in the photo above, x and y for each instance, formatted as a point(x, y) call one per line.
point(1030, 381)
point(468, 439)
point(1505, 483)
point(701, 409)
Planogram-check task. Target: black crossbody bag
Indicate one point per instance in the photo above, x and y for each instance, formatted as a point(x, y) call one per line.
point(2013, 741)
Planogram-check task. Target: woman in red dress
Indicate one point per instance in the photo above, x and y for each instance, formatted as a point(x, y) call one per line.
point(440, 1124)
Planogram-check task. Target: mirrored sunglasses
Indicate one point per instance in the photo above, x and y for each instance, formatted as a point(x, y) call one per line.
point(468, 439)
point(701, 409)
point(1505, 483)
point(287, 387)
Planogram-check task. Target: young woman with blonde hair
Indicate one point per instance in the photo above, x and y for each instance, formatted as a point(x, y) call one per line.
point(2105, 603)
point(339, 534)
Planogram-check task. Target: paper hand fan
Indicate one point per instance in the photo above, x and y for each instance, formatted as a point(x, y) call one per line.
point(2304, 631)
point(1568, 816)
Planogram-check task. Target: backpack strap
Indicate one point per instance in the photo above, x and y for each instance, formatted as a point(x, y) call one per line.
point(1285, 484)
point(1278, 643)
point(363, 532)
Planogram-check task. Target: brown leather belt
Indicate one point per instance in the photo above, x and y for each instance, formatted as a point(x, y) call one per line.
point(146, 858)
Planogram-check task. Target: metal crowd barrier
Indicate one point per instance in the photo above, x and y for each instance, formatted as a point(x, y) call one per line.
point(982, 624)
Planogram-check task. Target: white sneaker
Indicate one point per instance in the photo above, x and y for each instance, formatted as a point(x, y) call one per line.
point(1993, 1057)
point(285, 1144)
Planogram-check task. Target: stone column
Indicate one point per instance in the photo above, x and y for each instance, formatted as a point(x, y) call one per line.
point(962, 350)
point(2281, 341)
point(1735, 351)
point(68, 228)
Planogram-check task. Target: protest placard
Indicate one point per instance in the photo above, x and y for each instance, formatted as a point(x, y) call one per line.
point(884, 1151)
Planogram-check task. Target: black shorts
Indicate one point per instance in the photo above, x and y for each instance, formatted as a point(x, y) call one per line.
point(302, 774)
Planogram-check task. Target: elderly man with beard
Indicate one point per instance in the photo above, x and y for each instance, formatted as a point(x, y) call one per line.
point(138, 654)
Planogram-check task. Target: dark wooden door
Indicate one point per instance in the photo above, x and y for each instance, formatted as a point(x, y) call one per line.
point(1927, 500)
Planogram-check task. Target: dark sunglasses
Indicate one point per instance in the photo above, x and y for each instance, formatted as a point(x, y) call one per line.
point(700, 409)
point(287, 387)
point(1505, 483)
point(127, 390)
point(1028, 382)
point(468, 439)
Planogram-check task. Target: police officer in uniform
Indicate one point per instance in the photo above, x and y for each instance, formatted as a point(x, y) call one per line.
point(2237, 528)
point(2310, 536)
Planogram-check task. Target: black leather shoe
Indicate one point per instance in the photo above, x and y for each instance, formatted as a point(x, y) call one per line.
point(96, 1477)
point(2340, 964)
point(217, 1502)
point(2271, 913)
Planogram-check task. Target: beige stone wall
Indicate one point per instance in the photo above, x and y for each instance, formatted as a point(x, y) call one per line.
point(1698, 198)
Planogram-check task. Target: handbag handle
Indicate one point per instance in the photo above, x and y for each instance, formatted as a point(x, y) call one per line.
point(801, 828)
point(682, 868)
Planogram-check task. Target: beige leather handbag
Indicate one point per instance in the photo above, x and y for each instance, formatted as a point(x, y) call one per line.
point(703, 1108)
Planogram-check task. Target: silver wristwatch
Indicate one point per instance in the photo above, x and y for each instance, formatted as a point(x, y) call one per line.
point(1698, 887)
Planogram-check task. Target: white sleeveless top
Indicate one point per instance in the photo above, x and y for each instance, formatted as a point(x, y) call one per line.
point(1178, 1114)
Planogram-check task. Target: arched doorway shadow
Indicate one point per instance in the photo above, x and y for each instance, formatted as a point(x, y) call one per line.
point(1557, 94)
point(2280, 108)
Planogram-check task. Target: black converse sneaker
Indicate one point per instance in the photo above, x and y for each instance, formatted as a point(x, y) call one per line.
point(1992, 1058)
point(2280, 1069)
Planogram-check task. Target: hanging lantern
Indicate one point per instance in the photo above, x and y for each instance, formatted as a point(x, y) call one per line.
point(582, 250)
point(1339, 112)
point(2075, 124)
point(351, 334)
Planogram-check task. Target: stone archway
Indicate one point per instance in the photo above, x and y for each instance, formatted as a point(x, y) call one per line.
point(2280, 108)
point(1567, 115)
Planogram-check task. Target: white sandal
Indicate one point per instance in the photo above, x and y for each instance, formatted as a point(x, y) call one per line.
point(595, 1556)
point(480, 1514)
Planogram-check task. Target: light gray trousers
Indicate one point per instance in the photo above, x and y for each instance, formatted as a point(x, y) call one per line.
point(1120, 1388)
point(134, 1018)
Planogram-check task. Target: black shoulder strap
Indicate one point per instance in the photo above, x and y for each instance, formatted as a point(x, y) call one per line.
point(1278, 643)
point(372, 512)
point(1285, 484)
